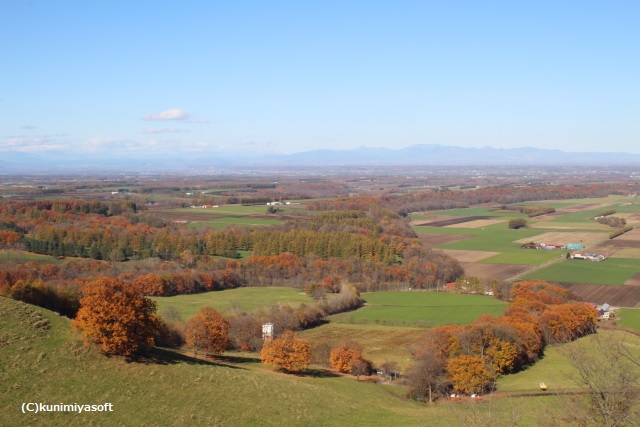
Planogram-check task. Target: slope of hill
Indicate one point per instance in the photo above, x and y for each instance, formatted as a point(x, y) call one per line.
point(42, 361)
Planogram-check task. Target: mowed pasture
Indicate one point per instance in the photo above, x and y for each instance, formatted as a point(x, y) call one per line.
point(423, 309)
point(232, 215)
point(612, 271)
point(244, 299)
point(629, 318)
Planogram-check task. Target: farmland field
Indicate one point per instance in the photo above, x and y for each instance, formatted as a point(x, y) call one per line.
point(379, 342)
point(629, 318)
point(246, 299)
point(425, 309)
point(494, 251)
point(613, 271)
point(226, 221)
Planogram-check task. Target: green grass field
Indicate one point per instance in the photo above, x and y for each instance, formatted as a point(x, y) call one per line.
point(486, 211)
point(11, 256)
point(497, 240)
point(578, 217)
point(423, 309)
point(226, 221)
point(629, 318)
point(523, 256)
point(246, 299)
point(612, 271)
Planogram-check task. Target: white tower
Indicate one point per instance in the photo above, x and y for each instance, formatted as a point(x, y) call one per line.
point(267, 331)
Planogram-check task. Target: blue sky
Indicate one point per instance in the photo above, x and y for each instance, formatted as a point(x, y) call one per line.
point(169, 77)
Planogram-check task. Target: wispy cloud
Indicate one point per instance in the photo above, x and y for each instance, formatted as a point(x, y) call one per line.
point(172, 114)
point(33, 143)
point(28, 127)
point(164, 130)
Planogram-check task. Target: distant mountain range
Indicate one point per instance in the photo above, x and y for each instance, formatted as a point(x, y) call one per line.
point(206, 162)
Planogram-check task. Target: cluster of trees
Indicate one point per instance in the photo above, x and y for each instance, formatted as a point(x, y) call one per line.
point(123, 321)
point(448, 199)
point(57, 287)
point(612, 221)
point(532, 210)
point(112, 232)
point(620, 231)
point(516, 223)
point(467, 359)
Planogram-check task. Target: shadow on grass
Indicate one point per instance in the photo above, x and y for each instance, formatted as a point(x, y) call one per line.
point(237, 359)
point(161, 356)
point(315, 373)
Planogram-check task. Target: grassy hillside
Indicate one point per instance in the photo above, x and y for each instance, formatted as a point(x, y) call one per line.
point(41, 360)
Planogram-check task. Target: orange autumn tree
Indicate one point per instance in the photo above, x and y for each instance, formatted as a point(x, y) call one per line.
point(566, 322)
point(469, 374)
point(116, 316)
point(286, 352)
point(208, 331)
point(344, 357)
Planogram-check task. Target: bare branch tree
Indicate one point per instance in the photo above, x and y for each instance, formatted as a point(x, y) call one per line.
point(608, 371)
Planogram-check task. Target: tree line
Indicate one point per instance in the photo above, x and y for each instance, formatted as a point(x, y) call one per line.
point(468, 359)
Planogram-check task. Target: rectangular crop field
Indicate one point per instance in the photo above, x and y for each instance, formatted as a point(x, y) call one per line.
point(587, 238)
point(629, 318)
point(492, 240)
point(612, 271)
point(523, 256)
point(246, 299)
point(379, 342)
point(486, 211)
point(425, 309)
point(224, 222)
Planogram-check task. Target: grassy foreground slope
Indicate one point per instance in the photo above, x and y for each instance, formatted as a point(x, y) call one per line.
point(42, 361)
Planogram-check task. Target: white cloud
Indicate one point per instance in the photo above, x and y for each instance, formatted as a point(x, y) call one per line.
point(28, 127)
point(172, 114)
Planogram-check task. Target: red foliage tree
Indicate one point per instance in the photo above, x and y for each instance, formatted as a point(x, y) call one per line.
point(208, 331)
point(116, 316)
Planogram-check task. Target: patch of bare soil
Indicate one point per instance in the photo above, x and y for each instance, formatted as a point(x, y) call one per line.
point(469, 256)
point(493, 271)
point(430, 240)
point(634, 281)
point(621, 296)
point(457, 220)
point(477, 223)
point(427, 222)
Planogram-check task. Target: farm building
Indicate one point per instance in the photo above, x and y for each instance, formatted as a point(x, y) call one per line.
point(543, 246)
point(575, 246)
point(590, 257)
